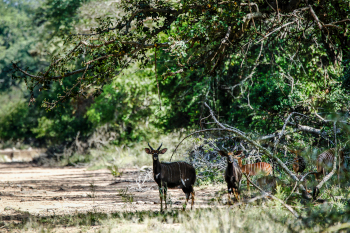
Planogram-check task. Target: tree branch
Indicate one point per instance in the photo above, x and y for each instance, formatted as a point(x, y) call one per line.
point(315, 17)
point(42, 78)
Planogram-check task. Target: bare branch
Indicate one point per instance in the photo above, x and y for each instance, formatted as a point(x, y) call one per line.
point(315, 17)
point(137, 44)
point(199, 131)
point(272, 196)
point(42, 78)
point(277, 29)
point(266, 151)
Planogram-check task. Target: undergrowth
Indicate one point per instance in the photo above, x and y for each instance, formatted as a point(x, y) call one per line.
point(265, 217)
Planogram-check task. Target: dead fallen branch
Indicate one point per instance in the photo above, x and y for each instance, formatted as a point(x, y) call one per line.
point(263, 149)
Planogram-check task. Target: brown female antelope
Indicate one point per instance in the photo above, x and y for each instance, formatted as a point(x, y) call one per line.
point(254, 169)
point(325, 162)
point(233, 175)
point(171, 175)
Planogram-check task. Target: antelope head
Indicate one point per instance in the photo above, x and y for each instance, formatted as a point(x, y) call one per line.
point(231, 155)
point(155, 153)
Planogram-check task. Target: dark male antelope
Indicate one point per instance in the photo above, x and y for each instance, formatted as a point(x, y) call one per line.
point(325, 162)
point(254, 169)
point(233, 175)
point(299, 164)
point(171, 175)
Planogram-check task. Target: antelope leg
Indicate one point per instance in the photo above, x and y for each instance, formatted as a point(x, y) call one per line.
point(237, 196)
point(192, 204)
point(161, 199)
point(229, 200)
point(161, 203)
point(187, 197)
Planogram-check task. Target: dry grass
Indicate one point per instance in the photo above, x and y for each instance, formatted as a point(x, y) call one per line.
point(124, 156)
point(266, 217)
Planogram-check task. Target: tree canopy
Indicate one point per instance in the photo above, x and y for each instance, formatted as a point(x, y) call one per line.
point(203, 37)
point(253, 62)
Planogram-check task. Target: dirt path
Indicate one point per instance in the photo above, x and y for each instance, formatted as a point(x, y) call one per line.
point(43, 191)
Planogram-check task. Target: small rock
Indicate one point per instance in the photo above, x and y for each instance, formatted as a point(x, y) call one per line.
point(149, 202)
point(19, 186)
point(145, 168)
point(22, 200)
point(22, 189)
point(177, 203)
point(140, 202)
point(84, 195)
point(8, 208)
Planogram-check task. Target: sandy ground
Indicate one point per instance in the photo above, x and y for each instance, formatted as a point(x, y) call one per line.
point(43, 191)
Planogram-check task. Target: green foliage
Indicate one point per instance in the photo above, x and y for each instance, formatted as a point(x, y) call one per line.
point(114, 170)
point(59, 16)
point(17, 39)
point(126, 197)
point(209, 176)
point(127, 105)
point(17, 123)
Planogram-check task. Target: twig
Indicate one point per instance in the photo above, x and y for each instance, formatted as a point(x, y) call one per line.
point(272, 196)
point(315, 17)
point(199, 131)
point(296, 183)
point(285, 124)
point(279, 28)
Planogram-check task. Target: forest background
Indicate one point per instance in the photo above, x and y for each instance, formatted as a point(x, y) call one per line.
point(32, 32)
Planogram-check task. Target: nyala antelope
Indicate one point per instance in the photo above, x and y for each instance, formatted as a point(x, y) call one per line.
point(325, 162)
point(254, 169)
point(171, 175)
point(233, 175)
point(299, 163)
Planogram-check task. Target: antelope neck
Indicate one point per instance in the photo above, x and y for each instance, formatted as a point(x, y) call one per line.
point(240, 163)
point(156, 166)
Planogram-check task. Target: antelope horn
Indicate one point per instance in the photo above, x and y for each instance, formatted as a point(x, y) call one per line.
point(160, 146)
point(150, 146)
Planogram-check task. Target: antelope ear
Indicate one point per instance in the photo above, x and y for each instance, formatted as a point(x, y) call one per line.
point(163, 151)
point(148, 151)
point(222, 153)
